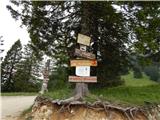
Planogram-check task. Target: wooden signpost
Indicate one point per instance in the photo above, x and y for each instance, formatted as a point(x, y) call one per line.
point(83, 65)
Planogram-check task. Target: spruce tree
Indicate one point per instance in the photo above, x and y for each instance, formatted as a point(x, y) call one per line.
point(9, 67)
point(27, 76)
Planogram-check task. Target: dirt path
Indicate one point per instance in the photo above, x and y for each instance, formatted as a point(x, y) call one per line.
point(12, 106)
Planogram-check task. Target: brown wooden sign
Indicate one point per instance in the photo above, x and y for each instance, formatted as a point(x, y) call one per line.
point(83, 63)
point(92, 79)
point(83, 39)
point(84, 54)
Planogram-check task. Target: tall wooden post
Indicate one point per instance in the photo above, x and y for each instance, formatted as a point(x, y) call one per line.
point(82, 64)
point(82, 88)
point(45, 77)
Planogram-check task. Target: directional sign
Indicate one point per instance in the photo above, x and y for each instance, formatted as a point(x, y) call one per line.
point(82, 79)
point(83, 70)
point(83, 63)
point(84, 54)
point(83, 39)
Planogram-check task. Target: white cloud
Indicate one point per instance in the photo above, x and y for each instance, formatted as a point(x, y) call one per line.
point(10, 29)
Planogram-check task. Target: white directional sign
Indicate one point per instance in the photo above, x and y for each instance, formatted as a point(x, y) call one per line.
point(83, 70)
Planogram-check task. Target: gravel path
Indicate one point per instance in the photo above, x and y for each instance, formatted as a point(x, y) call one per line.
point(12, 106)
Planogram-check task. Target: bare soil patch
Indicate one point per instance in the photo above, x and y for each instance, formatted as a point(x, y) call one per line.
point(79, 110)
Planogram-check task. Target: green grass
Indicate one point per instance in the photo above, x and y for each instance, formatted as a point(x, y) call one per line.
point(59, 93)
point(125, 95)
point(130, 95)
point(133, 92)
point(19, 94)
point(131, 81)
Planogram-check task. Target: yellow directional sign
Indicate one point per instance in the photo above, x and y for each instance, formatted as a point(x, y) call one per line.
point(83, 39)
point(83, 63)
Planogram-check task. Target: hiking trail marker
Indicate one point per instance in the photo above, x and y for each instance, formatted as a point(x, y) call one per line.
point(83, 63)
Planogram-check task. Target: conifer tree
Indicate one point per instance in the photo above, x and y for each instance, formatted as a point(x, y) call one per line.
point(27, 77)
point(9, 67)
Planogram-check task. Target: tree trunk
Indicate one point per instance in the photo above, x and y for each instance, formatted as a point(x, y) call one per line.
point(81, 89)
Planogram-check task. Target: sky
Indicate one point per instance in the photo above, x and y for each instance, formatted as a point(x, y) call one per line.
point(10, 29)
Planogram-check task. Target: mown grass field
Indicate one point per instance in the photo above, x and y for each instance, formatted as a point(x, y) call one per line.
point(133, 92)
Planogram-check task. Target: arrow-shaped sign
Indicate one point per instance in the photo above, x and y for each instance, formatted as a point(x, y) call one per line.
point(84, 54)
point(92, 79)
point(83, 63)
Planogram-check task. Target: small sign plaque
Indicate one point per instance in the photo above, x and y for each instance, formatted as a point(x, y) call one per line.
point(83, 39)
point(92, 79)
point(83, 70)
point(83, 63)
point(83, 47)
